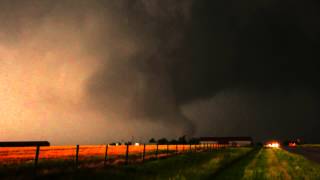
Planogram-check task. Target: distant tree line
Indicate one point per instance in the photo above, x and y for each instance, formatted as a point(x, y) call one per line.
point(180, 140)
point(162, 141)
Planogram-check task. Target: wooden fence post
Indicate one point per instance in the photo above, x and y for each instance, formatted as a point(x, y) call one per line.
point(77, 155)
point(167, 149)
point(37, 156)
point(144, 152)
point(176, 148)
point(106, 156)
point(127, 154)
point(157, 151)
point(190, 148)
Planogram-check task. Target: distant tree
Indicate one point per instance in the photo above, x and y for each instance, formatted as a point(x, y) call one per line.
point(128, 143)
point(286, 142)
point(194, 141)
point(152, 140)
point(163, 141)
point(299, 141)
point(182, 140)
point(259, 144)
point(173, 141)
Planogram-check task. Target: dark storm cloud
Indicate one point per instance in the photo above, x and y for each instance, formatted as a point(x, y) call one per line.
point(268, 48)
point(272, 114)
point(138, 84)
point(163, 61)
point(218, 45)
point(250, 43)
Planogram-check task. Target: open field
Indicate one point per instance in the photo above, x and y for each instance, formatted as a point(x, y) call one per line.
point(225, 163)
point(54, 158)
point(310, 152)
point(201, 165)
point(272, 164)
point(18, 155)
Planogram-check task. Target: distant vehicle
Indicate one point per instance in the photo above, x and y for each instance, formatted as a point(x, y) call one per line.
point(292, 144)
point(272, 144)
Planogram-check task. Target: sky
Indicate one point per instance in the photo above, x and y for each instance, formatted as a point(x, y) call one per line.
point(93, 72)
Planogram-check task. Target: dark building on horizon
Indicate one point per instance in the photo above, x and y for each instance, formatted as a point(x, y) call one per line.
point(230, 141)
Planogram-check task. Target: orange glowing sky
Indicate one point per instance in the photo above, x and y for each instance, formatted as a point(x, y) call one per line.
point(42, 78)
point(43, 94)
point(45, 65)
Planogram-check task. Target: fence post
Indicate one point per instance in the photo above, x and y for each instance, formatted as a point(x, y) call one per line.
point(167, 149)
point(144, 152)
point(77, 155)
point(190, 148)
point(106, 156)
point(157, 151)
point(176, 148)
point(183, 148)
point(37, 156)
point(127, 154)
